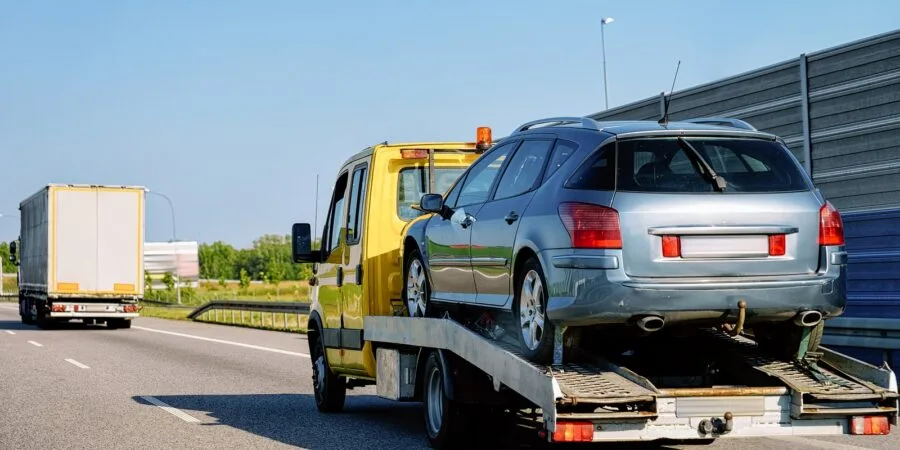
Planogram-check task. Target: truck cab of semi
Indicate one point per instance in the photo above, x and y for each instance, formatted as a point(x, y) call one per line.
point(357, 267)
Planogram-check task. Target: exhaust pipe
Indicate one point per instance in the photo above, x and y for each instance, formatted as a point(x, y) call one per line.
point(651, 323)
point(808, 318)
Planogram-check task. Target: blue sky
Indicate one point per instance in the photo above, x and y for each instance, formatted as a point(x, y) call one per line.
point(232, 107)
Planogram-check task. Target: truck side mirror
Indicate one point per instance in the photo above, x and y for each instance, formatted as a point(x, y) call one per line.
point(433, 203)
point(301, 244)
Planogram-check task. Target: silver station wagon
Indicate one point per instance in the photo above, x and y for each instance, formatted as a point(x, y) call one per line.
point(569, 222)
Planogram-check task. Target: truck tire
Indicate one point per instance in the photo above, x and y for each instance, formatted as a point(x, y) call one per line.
point(330, 389)
point(445, 421)
point(25, 312)
point(535, 334)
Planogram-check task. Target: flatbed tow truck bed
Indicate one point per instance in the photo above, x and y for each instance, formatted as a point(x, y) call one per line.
point(742, 392)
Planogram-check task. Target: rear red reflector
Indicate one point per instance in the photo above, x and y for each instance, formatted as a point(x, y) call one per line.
point(574, 432)
point(777, 245)
point(591, 226)
point(58, 308)
point(870, 425)
point(831, 227)
point(671, 246)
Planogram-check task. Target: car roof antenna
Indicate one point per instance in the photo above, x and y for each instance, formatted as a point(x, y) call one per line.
point(664, 120)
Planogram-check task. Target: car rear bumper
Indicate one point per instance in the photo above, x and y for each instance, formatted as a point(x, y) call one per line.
point(594, 290)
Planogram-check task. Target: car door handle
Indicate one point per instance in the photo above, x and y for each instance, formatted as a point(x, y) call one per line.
point(467, 221)
point(511, 217)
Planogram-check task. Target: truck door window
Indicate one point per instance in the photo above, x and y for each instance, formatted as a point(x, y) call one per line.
point(413, 184)
point(357, 200)
point(335, 210)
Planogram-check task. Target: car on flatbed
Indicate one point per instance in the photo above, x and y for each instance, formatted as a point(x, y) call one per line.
point(579, 224)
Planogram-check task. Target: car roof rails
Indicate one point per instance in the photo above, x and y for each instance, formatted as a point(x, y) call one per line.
point(723, 121)
point(586, 122)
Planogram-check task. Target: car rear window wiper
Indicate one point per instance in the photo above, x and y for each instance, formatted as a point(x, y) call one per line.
point(717, 180)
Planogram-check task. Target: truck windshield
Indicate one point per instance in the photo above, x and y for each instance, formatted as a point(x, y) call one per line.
point(413, 184)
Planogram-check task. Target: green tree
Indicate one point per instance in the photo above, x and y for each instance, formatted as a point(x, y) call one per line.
point(8, 267)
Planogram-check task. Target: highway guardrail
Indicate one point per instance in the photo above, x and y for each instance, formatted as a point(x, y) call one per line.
point(211, 311)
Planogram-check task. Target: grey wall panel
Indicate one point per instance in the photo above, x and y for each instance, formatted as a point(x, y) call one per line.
point(871, 104)
point(875, 56)
point(647, 109)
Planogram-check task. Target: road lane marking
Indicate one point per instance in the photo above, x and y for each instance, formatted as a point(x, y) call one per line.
point(817, 443)
point(10, 332)
point(222, 341)
point(77, 364)
point(171, 410)
point(35, 344)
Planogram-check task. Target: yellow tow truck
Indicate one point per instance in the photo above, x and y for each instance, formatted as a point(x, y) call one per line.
point(361, 333)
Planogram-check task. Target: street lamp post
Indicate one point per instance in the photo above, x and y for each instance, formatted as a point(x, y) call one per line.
point(1, 262)
point(603, 23)
point(174, 241)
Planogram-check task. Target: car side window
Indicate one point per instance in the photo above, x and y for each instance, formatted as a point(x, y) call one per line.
point(453, 195)
point(598, 173)
point(357, 200)
point(332, 233)
point(482, 174)
point(561, 153)
point(524, 169)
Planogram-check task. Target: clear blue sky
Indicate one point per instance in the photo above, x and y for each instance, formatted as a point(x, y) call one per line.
point(232, 107)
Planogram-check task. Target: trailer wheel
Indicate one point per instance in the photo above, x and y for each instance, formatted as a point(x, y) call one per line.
point(444, 418)
point(330, 389)
point(530, 312)
point(417, 293)
point(25, 312)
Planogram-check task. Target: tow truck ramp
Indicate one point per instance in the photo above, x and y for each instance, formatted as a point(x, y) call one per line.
point(590, 398)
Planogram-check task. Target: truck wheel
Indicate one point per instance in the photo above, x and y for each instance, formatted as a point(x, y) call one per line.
point(444, 418)
point(417, 292)
point(530, 312)
point(330, 389)
point(25, 312)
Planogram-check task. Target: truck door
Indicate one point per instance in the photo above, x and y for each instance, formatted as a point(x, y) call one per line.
point(330, 271)
point(352, 264)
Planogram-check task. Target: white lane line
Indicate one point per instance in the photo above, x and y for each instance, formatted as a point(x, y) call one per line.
point(35, 344)
point(76, 363)
point(172, 410)
point(817, 443)
point(10, 332)
point(221, 341)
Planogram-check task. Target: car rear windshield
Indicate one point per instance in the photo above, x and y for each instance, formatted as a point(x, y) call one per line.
point(414, 184)
point(665, 165)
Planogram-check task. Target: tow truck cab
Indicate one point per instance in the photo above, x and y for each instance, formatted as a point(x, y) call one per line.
point(357, 270)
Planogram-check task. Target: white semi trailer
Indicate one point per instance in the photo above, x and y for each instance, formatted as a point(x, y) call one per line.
point(80, 254)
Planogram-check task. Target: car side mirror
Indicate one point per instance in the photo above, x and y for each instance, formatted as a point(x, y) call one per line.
point(301, 244)
point(433, 203)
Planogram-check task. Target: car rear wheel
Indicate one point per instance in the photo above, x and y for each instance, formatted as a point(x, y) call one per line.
point(785, 340)
point(417, 289)
point(530, 308)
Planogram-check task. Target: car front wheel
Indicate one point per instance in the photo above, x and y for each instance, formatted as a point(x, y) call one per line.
point(530, 308)
point(417, 290)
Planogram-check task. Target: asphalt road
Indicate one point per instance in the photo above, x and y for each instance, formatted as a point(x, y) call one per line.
point(170, 384)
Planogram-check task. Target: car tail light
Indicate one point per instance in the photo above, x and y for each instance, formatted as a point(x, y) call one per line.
point(777, 245)
point(831, 227)
point(591, 226)
point(869, 425)
point(671, 246)
point(574, 432)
